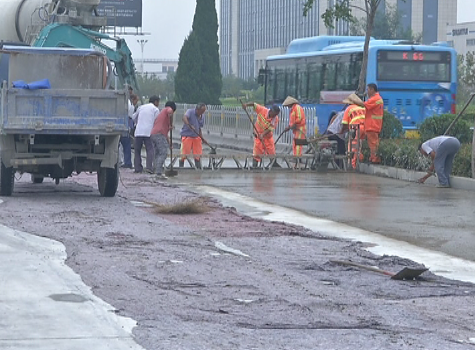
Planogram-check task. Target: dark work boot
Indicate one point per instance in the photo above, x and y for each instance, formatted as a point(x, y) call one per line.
point(198, 164)
point(181, 163)
point(255, 163)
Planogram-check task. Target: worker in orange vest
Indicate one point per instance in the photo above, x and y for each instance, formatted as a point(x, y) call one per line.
point(354, 119)
point(297, 124)
point(373, 120)
point(264, 127)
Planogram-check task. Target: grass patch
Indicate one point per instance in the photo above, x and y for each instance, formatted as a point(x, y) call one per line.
point(187, 207)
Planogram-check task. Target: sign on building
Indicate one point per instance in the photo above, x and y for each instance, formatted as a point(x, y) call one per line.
point(122, 13)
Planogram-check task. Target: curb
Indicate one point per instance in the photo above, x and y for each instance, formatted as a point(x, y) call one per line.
point(460, 183)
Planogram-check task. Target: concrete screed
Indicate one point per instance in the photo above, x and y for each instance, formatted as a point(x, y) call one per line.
point(217, 280)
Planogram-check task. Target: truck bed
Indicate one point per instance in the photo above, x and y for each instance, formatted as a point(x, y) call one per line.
point(58, 111)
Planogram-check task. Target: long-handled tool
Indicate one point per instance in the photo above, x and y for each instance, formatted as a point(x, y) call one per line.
point(405, 274)
point(256, 133)
point(281, 134)
point(213, 149)
point(171, 172)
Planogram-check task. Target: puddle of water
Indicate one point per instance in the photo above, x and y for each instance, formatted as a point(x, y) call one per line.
point(439, 263)
point(68, 298)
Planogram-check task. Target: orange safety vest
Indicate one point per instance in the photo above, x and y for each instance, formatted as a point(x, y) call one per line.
point(374, 113)
point(354, 114)
point(263, 122)
point(297, 117)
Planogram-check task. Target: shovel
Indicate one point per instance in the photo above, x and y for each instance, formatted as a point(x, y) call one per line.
point(405, 274)
point(171, 172)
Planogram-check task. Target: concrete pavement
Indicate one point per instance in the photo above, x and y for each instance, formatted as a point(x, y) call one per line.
point(45, 305)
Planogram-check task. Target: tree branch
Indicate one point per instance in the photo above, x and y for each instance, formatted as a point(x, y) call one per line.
point(359, 8)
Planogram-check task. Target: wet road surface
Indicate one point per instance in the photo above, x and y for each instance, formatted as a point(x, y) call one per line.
point(428, 217)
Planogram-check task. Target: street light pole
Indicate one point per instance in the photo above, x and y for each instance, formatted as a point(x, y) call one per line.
point(142, 43)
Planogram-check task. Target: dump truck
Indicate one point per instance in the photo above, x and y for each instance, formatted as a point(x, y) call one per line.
point(59, 117)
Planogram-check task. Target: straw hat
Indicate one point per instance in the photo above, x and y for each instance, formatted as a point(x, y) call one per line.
point(289, 101)
point(353, 99)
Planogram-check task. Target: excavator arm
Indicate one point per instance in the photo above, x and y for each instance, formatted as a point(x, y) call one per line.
point(65, 35)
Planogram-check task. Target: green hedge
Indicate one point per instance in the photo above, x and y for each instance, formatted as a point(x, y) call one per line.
point(436, 126)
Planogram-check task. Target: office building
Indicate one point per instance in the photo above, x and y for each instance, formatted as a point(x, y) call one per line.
point(251, 30)
point(462, 37)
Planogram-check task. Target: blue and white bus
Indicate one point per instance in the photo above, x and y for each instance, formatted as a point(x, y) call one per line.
point(415, 81)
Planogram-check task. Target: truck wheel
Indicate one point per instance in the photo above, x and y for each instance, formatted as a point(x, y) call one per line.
point(37, 179)
point(7, 180)
point(108, 181)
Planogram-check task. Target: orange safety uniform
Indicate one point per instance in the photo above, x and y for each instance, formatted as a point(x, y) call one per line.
point(354, 117)
point(373, 124)
point(297, 118)
point(262, 124)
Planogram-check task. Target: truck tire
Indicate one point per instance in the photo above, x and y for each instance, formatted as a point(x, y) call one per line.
point(37, 179)
point(108, 181)
point(7, 180)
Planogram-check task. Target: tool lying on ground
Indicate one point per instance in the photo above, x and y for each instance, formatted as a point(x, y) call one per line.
point(171, 172)
point(405, 274)
point(213, 149)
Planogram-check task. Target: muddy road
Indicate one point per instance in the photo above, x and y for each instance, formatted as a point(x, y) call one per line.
point(220, 280)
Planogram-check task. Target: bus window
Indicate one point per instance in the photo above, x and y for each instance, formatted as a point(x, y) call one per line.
point(343, 77)
point(355, 69)
point(314, 82)
point(291, 73)
point(270, 90)
point(302, 83)
point(279, 90)
point(329, 76)
point(414, 66)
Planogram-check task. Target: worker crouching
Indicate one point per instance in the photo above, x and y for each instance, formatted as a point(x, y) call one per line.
point(266, 122)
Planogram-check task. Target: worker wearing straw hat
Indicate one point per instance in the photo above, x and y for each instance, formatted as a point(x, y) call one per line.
point(354, 119)
point(297, 124)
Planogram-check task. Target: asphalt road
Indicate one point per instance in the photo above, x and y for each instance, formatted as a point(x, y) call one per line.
point(422, 215)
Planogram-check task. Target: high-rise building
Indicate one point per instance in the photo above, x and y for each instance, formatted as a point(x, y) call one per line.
point(251, 30)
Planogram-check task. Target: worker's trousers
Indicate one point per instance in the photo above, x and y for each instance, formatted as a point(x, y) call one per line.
point(444, 159)
point(138, 143)
point(191, 145)
point(298, 148)
point(373, 143)
point(263, 147)
point(356, 146)
point(160, 148)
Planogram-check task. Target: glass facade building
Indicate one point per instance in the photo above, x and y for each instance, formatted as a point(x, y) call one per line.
point(248, 27)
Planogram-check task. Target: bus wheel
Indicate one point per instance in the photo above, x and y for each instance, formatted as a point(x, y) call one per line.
point(108, 181)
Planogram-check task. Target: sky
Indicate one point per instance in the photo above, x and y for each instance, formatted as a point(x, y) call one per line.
point(168, 23)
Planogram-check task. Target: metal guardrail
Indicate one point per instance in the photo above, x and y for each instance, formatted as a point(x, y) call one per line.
point(232, 122)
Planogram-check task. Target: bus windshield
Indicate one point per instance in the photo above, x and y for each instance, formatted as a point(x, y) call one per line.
point(414, 66)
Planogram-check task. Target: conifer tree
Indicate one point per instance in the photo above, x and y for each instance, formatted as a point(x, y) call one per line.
point(199, 74)
point(187, 84)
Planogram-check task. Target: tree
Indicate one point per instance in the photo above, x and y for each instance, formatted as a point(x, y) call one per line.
point(387, 25)
point(188, 74)
point(342, 10)
point(466, 75)
point(198, 77)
